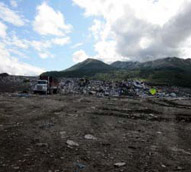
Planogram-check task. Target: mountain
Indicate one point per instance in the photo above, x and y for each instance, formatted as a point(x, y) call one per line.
point(88, 68)
point(169, 62)
point(168, 71)
point(4, 74)
point(171, 71)
point(125, 65)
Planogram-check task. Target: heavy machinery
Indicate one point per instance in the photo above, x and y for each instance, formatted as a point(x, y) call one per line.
point(46, 85)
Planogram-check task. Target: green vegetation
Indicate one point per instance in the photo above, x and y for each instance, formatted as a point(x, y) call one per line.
point(168, 71)
point(87, 68)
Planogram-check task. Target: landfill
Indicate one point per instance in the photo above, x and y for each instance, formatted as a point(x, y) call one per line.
point(116, 89)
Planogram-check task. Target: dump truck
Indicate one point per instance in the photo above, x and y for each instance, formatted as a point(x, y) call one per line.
point(46, 85)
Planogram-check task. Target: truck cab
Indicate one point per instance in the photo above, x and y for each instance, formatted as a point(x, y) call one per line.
point(42, 86)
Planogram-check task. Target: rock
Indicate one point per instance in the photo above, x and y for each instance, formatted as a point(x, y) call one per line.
point(152, 115)
point(63, 134)
point(172, 94)
point(179, 168)
point(80, 166)
point(119, 164)
point(73, 115)
point(90, 137)
point(71, 143)
point(162, 165)
point(16, 168)
point(45, 126)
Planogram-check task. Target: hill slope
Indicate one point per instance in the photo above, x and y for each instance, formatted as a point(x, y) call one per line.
point(170, 71)
point(126, 65)
point(88, 68)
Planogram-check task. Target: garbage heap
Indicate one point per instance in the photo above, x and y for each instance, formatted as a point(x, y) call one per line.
point(124, 88)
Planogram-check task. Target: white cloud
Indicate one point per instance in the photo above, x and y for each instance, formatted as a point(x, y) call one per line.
point(96, 28)
point(14, 3)
point(77, 45)
point(45, 55)
point(3, 29)
point(15, 41)
point(49, 21)
point(17, 45)
point(106, 51)
point(43, 46)
point(61, 41)
point(145, 42)
point(139, 30)
point(10, 16)
point(79, 56)
point(40, 45)
point(13, 66)
point(16, 52)
point(185, 48)
point(156, 12)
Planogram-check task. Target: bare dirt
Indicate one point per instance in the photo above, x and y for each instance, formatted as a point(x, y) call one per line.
point(148, 135)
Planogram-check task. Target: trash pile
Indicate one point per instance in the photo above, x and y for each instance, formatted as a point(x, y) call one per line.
point(124, 88)
point(16, 83)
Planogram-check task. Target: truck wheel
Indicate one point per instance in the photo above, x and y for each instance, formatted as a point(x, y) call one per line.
point(55, 91)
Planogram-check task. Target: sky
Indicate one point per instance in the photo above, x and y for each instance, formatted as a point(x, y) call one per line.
point(45, 35)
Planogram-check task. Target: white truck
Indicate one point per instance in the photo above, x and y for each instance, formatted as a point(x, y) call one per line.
point(46, 85)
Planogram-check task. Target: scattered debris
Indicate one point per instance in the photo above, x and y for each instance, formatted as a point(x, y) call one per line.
point(71, 143)
point(79, 167)
point(16, 168)
point(172, 94)
point(179, 168)
point(175, 149)
point(116, 89)
point(162, 165)
point(22, 95)
point(25, 86)
point(119, 164)
point(63, 134)
point(153, 91)
point(90, 137)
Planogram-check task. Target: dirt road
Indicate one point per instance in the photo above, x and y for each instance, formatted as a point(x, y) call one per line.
point(66, 133)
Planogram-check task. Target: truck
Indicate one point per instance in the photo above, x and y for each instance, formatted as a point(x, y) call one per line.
point(46, 85)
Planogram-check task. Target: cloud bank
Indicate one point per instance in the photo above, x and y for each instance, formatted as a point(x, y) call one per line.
point(139, 30)
point(13, 66)
point(48, 21)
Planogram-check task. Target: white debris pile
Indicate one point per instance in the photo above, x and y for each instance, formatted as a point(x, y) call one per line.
point(123, 88)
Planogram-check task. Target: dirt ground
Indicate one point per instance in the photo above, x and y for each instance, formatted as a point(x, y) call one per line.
point(148, 135)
